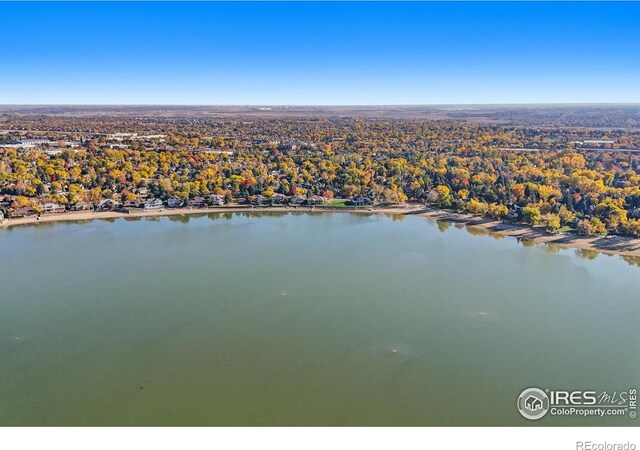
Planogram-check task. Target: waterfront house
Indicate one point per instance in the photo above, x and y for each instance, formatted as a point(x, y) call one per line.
point(262, 200)
point(297, 200)
point(132, 204)
point(52, 208)
point(174, 202)
point(197, 202)
point(216, 200)
point(107, 205)
point(316, 200)
point(154, 203)
point(279, 198)
point(82, 206)
point(21, 212)
point(361, 201)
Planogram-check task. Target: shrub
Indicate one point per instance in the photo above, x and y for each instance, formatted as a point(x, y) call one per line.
point(531, 215)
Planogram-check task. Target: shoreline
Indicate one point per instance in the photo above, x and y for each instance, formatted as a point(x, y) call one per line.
point(612, 245)
point(136, 213)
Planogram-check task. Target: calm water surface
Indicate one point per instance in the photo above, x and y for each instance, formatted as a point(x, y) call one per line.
point(302, 319)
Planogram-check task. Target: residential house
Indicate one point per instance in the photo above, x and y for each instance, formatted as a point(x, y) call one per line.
point(21, 212)
point(361, 201)
point(279, 198)
point(216, 200)
point(107, 205)
point(297, 200)
point(82, 206)
point(133, 204)
point(262, 200)
point(142, 192)
point(174, 202)
point(154, 203)
point(197, 202)
point(51, 208)
point(316, 200)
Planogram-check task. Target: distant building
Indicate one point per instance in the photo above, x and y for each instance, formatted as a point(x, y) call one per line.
point(598, 143)
point(132, 204)
point(51, 208)
point(22, 212)
point(197, 202)
point(82, 206)
point(174, 202)
point(107, 205)
point(316, 200)
point(142, 192)
point(216, 200)
point(361, 201)
point(262, 200)
point(297, 200)
point(279, 198)
point(155, 203)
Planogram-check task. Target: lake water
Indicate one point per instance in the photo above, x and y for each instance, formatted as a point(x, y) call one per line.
point(302, 319)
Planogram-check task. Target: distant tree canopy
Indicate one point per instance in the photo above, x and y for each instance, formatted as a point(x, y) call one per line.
point(455, 165)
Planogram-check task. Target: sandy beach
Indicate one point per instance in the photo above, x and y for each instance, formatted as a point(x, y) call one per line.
point(90, 215)
point(615, 245)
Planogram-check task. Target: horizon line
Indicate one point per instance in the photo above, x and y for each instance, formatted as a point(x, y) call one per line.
point(327, 105)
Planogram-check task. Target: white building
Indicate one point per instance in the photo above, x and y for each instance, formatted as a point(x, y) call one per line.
point(50, 208)
point(155, 203)
point(216, 200)
point(107, 204)
point(174, 202)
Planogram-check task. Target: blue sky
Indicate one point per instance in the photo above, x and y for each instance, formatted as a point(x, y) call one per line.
point(319, 53)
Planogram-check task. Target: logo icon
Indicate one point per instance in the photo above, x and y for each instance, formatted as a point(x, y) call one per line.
point(533, 403)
